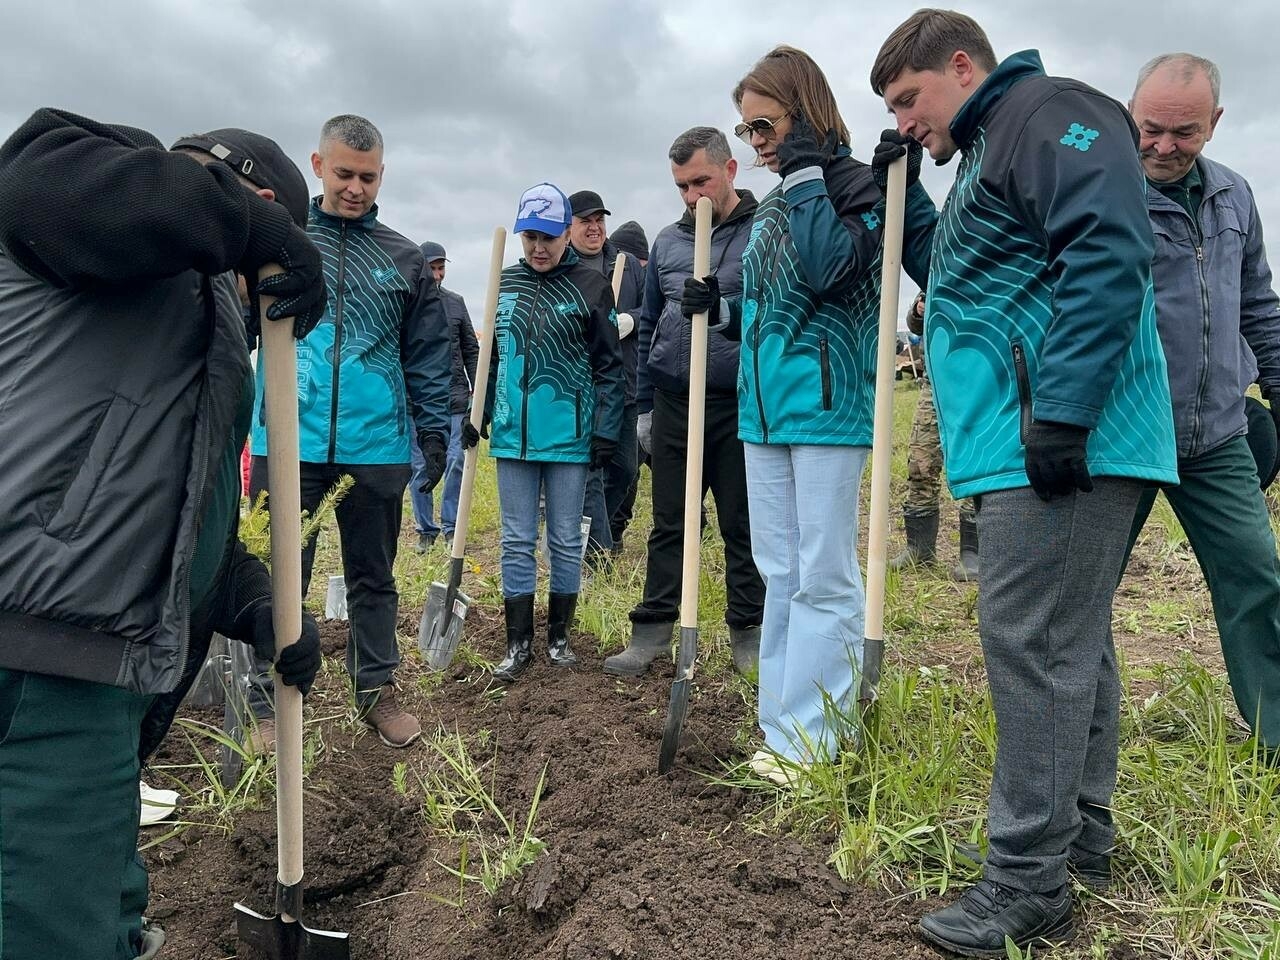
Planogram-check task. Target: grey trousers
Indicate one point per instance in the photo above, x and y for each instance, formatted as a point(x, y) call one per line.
point(1049, 575)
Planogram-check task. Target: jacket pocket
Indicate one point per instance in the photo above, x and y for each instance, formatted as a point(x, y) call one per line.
point(824, 360)
point(65, 522)
point(577, 413)
point(1023, 379)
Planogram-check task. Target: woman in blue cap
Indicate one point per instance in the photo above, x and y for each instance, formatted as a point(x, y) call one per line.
point(554, 406)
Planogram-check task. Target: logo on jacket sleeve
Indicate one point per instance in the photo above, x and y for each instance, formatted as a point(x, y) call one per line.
point(1080, 137)
point(871, 220)
point(385, 275)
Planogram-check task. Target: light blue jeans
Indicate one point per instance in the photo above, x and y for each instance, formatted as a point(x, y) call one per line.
point(519, 485)
point(804, 535)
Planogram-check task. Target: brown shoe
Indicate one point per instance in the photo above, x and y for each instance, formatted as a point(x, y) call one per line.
point(395, 727)
point(262, 737)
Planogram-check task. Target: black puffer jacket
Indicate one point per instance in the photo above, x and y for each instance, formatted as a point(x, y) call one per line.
point(123, 367)
point(464, 350)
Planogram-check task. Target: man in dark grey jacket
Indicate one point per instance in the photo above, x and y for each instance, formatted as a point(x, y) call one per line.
point(464, 349)
point(127, 395)
point(1213, 296)
point(702, 165)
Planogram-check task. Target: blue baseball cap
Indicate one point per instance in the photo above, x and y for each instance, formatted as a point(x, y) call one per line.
point(544, 208)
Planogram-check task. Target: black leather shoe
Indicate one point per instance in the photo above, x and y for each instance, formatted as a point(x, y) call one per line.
point(1093, 870)
point(976, 925)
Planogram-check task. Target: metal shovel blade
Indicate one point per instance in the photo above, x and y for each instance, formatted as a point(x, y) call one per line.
point(443, 617)
point(679, 698)
point(281, 939)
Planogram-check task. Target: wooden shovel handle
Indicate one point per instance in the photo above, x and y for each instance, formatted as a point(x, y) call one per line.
point(619, 268)
point(280, 365)
point(697, 403)
point(480, 393)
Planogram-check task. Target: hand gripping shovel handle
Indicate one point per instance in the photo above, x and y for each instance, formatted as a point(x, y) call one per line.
point(284, 936)
point(692, 501)
point(882, 432)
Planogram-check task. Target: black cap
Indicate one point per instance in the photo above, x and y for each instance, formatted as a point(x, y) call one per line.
point(1263, 442)
point(259, 160)
point(630, 239)
point(432, 251)
point(586, 202)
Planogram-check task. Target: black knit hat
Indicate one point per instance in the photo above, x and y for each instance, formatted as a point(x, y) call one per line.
point(259, 160)
point(630, 239)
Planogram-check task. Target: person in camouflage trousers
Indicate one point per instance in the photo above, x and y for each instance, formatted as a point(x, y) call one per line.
point(924, 481)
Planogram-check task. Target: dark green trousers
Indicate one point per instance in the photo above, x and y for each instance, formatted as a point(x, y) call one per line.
point(71, 883)
point(1219, 505)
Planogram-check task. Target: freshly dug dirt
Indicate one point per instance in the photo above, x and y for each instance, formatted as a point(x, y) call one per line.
point(635, 865)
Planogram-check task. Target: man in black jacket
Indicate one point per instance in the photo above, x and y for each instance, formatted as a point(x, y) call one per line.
point(464, 350)
point(611, 492)
point(702, 166)
point(127, 393)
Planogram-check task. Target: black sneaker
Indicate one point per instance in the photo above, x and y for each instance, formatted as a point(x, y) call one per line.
point(977, 924)
point(1093, 870)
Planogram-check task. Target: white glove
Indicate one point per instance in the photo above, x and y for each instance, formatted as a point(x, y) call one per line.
point(625, 325)
point(644, 432)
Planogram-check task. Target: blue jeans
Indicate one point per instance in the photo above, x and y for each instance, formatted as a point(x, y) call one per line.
point(803, 502)
point(450, 483)
point(519, 484)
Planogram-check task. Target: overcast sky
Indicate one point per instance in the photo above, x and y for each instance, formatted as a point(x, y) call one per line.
point(479, 100)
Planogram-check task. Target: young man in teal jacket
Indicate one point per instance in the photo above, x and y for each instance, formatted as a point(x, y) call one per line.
point(1053, 408)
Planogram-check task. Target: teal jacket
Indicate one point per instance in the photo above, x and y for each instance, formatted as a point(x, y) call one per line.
point(556, 378)
point(1040, 300)
point(380, 361)
point(810, 305)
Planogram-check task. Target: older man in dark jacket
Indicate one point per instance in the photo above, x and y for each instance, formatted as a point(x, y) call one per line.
point(127, 395)
point(1213, 297)
point(702, 165)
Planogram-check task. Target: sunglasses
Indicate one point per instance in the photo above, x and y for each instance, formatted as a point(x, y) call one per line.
point(761, 125)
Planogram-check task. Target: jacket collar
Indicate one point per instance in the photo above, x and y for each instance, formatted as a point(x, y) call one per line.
point(367, 222)
point(1213, 176)
point(569, 259)
point(746, 208)
point(1012, 70)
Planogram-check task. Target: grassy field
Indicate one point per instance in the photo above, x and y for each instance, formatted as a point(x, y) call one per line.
point(1199, 858)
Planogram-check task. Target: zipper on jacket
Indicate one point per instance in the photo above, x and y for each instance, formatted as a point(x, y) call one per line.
point(824, 361)
point(337, 343)
point(1024, 389)
point(524, 389)
point(577, 413)
point(755, 337)
point(1204, 343)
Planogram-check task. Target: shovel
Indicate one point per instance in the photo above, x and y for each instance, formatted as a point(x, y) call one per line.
point(440, 629)
point(882, 435)
point(283, 936)
point(688, 652)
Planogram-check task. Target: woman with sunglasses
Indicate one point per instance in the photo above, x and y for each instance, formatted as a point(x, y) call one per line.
point(555, 407)
point(807, 318)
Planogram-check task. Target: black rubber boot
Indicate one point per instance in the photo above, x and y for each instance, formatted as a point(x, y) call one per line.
point(744, 644)
point(967, 568)
point(648, 642)
point(519, 611)
point(921, 524)
point(560, 607)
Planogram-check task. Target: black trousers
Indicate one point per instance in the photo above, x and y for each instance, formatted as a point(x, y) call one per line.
point(724, 474)
point(368, 530)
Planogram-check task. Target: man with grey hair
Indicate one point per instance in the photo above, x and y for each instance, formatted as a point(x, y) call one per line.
point(379, 360)
point(1214, 295)
point(702, 166)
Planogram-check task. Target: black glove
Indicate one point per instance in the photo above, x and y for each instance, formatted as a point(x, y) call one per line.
point(299, 291)
point(432, 445)
point(800, 147)
point(892, 145)
point(471, 436)
point(1056, 464)
point(701, 296)
point(602, 451)
point(300, 661)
